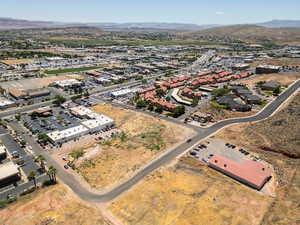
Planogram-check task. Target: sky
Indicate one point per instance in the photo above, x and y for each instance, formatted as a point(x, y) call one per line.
point(178, 11)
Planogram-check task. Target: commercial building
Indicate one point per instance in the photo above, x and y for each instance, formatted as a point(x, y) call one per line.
point(229, 101)
point(267, 69)
point(9, 173)
point(98, 122)
point(90, 122)
point(81, 111)
point(70, 83)
point(61, 136)
point(30, 93)
point(6, 103)
point(3, 153)
point(270, 85)
point(240, 66)
point(124, 92)
point(251, 173)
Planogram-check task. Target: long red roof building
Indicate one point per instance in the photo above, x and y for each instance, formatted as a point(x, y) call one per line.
point(252, 173)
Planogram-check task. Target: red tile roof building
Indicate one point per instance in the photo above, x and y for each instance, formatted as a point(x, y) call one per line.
point(146, 90)
point(189, 93)
point(175, 85)
point(252, 173)
point(151, 97)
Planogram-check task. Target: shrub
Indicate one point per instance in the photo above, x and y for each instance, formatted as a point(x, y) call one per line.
point(48, 183)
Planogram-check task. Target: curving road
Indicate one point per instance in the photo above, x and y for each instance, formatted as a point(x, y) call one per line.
point(202, 133)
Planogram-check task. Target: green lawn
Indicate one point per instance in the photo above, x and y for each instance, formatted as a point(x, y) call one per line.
point(72, 70)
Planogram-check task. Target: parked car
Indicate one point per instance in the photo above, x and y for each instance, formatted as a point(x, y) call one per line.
point(193, 153)
point(204, 160)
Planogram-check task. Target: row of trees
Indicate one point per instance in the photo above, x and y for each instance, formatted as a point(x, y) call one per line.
point(51, 171)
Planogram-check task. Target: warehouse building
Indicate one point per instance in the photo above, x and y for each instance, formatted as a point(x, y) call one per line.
point(267, 69)
point(251, 173)
point(30, 93)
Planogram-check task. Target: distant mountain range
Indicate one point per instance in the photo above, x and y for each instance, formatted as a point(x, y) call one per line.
point(10, 23)
point(248, 32)
point(280, 23)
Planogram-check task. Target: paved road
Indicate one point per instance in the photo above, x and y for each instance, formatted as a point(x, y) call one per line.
point(165, 158)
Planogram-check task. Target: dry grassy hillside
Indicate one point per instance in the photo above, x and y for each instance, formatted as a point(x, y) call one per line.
point(248, 33)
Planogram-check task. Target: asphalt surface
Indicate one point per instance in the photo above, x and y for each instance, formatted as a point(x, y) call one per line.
point(202, 133)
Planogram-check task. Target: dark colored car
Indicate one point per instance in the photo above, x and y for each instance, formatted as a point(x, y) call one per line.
point(189, 140)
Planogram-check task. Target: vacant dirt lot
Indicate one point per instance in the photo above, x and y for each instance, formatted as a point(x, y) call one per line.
point(54, 205)
point(190, 194)
point(144, 137)
point(36, 82)
point(283, 78)
point(279, 62)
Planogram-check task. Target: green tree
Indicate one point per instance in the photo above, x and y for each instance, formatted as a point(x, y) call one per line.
point(220, 92)
point(141, 104)
point(150, 107)
point(23, 143)
point(276, 91)
point(178, 111)
point(18, 117)
point(32, 176)
point(43, 138)
point(52, 174)
point(76, 154)
point(160, 92)
point(34, 115)
point(41, 160)
point(195, 101)
point(159, 109)
point(59, 100)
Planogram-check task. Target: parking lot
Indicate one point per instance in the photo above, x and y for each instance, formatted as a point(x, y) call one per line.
point(59, 120)
point(218, 147)
point(19, 156)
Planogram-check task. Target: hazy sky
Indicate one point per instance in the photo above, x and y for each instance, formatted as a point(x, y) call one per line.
point(182, 11)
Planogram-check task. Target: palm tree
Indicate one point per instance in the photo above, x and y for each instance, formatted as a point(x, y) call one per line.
point(31, 176)
point(41, 160)
point(52, 173)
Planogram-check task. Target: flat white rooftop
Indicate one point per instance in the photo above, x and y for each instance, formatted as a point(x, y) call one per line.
point(99, 121)
point(7, 170)
point(66, 83)
point(2, 149)
point(58, 135)
point(81, 110)
point(4, 102)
